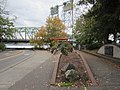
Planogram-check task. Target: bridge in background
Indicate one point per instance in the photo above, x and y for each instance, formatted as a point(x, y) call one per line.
point(22, 34)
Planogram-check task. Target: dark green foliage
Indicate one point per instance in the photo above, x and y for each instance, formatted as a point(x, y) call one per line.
point(2, 46)
point(64, 51)
point(93, 46)
point(54, 48)
point(69, 48)
point(6, 25)
point(66, 48)
point(95, 26)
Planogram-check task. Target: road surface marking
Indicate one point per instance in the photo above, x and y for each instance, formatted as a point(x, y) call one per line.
point(16, 54)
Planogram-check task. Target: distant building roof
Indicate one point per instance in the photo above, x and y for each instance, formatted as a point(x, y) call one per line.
point(59, 39)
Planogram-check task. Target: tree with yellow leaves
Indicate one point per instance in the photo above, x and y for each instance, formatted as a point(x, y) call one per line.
point(55, 28)
point(40, 37)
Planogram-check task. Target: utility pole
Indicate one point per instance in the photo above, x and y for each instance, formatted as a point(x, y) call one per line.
point(72, 18)
point(67, 6)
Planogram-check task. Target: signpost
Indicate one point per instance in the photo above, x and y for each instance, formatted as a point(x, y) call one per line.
point(54, 10)
point(67, 6)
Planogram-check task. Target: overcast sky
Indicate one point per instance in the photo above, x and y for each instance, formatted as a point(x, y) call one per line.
point(31, 12)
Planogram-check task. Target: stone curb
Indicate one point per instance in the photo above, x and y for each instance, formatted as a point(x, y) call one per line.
point(53, 78)
point(88, 70)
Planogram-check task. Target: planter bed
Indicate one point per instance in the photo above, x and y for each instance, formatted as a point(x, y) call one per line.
point(72, 63)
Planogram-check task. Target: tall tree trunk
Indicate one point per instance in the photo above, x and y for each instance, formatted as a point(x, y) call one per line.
point(1, 38)
point(106, 41)
point(115, 37)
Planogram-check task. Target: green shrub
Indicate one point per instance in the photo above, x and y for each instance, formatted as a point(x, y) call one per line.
point(70, 48)
point(93, 46)
point(2, 46)
point(54, 48)
point(66, 48)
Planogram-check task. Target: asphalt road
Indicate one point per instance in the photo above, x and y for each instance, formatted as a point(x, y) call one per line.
point(9, 59)
point(35, 66)
point(8, 53)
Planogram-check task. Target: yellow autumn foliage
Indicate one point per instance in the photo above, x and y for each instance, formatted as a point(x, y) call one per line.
point(55, 27)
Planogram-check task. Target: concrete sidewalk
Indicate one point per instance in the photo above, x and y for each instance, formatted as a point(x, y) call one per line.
point(106, 73)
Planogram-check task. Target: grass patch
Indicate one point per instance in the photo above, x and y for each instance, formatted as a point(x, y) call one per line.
point(64, 84)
